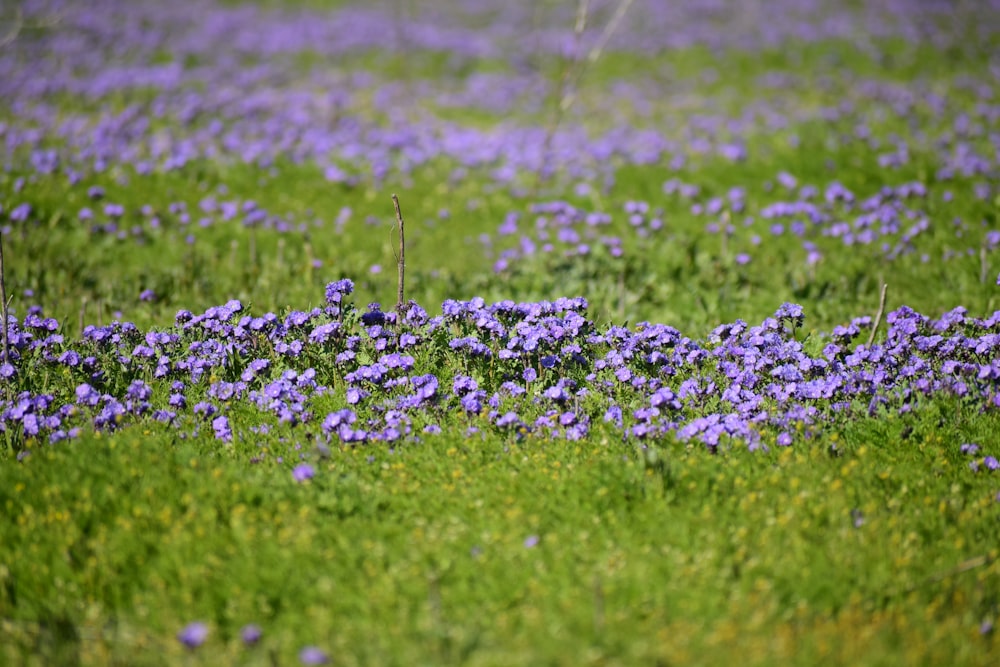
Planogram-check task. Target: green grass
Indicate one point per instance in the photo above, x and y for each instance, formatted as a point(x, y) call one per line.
point(418, 556)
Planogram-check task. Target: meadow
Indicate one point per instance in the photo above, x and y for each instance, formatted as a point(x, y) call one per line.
point(697, 359)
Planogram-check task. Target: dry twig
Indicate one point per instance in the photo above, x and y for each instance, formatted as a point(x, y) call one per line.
point(400, 263)
point(18, 25)
point(3, 301)
point(878, 315)
point(569, 82)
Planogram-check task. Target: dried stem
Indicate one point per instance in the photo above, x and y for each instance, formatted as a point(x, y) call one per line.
point(598, 606)
point(567, 78)
point(3, 301)
point(878, 315)
point(83, 313)
point(965, 566)
point(18, 25)
point(569, 82)
point(400, 263)
point(15, 29)
point(595, 53)
point(621, 295)
point(567, 94)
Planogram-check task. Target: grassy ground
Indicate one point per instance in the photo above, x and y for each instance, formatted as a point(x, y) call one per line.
point(480, 552)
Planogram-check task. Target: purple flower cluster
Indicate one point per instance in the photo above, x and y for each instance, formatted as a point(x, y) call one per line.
point(193, 635)
point(226, 111)
point(987, 463)
point(541, 370)
point(890, 223)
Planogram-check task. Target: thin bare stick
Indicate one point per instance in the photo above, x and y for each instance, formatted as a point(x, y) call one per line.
point(596, 52)
point(400, 263)
point(3, 300)
point(15, 29)
point(609, 30)
point(598, 606)
point(878, 315)
point(569, 82)
point(621, 295)
point(18, 25)
point(566, 96)
point(965, 566)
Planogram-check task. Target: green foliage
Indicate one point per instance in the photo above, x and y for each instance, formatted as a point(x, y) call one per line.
point(864, 547)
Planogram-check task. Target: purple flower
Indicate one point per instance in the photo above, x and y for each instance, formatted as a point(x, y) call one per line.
point(193, 634)
point(251, 634)
point(472, 403)
point(507, 419)
point(87, 395)
point(336, 291)
point(202, 407)
point(321, 333)
point(30, 424)
point(301, 473)
point(221, 427)
point(531, 541)
point(20, 212)
point(69, 358)
point(138, 391)
point(556, 393)
point(463, 385)
point(254, 368)
point(313, 655)
point(991, 463)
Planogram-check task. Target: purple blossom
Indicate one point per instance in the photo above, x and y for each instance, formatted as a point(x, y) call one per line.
point(251, 634)
point(303, 472)
point(313, 655)
point(87, 395)
point(336, 291)
point(222, 430)
point(193, 634)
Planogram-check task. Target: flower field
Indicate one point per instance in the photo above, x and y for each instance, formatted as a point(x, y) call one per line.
point(697, 362)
